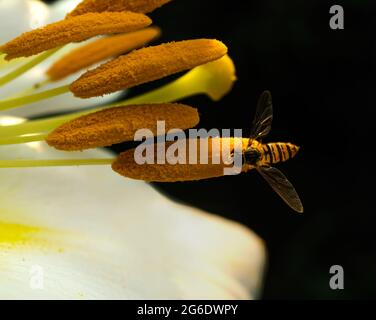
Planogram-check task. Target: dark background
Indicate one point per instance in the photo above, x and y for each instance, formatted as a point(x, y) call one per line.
point(322, 82)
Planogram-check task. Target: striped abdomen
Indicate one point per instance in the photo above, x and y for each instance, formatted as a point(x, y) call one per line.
point(278, 152)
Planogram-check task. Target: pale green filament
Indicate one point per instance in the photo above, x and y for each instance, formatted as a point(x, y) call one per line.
point(54, 163)
point(21, 101)
point(32, 137)
point(26, 67)
point(4, 64)
point(30, 90)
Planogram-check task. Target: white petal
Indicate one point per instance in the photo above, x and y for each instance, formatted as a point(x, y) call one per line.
point(61, 8)
point(18, 16)
point(103, 236)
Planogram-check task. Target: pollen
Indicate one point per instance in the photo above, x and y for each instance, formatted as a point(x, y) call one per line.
point(16, 234)
point(147, 64)
point(140, 6)
point(76, 29)
point(100, 50)
point(184, 169)
point(119, 124)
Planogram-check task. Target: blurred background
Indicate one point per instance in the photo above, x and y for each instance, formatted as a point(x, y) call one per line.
point(322, 81)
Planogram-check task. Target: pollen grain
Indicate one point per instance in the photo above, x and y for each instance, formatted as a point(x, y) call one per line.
point(119, 124)
point(76, 29)
point(147, 64)
point(99, 50)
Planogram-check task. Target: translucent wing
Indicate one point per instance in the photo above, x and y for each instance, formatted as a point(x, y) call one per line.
point(282, 186)
point(262, 122)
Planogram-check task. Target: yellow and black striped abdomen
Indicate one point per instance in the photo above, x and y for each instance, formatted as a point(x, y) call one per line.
point(278, 152)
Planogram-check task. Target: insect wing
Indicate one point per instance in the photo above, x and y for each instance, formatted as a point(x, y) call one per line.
point(262, 122)
point(282, 186)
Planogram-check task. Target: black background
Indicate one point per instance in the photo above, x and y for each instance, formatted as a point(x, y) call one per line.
point(322, 82)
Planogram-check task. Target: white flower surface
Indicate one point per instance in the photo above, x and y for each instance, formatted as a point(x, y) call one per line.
point(18, 16)
point(97, 235)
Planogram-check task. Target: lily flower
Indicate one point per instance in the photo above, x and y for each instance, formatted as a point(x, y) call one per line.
point(81, 232)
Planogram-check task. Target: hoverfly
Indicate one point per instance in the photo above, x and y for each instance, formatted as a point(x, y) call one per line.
point(263, 156)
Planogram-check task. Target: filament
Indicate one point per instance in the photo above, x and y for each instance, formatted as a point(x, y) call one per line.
point(25, 100)
point(54, 163)
point(26, 67)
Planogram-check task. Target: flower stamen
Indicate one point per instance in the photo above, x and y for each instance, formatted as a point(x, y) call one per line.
point(126, 166)
point(75, 29)
point(214, 79)
point(138, 67)
point(115, 125)
point(147, 64)
point(99, 50)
